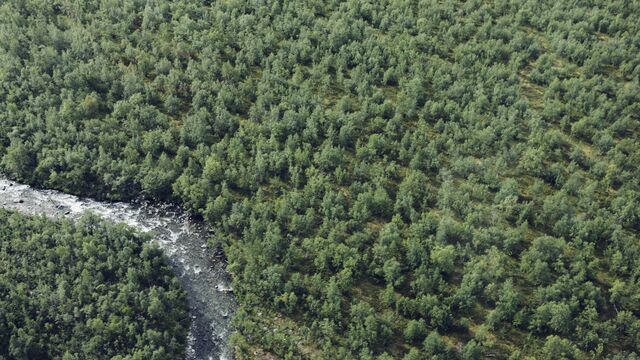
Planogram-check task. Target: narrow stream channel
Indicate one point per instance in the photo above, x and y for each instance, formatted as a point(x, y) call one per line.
point(184, 242)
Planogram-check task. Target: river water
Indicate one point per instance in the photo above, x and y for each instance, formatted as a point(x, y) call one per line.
point(184, 242)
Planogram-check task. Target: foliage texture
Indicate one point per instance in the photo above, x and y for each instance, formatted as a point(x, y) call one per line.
point(86, 291)
point(413, 179)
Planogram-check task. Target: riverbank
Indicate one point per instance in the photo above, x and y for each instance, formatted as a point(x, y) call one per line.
point(183, 240)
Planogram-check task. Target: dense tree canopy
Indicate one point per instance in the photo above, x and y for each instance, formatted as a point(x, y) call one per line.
point(413, 179)
point(86, 291)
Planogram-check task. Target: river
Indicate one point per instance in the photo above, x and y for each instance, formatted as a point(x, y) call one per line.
point(184, 242)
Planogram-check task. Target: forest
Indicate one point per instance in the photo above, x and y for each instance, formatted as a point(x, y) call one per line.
point(388, 179)
point(88, 290)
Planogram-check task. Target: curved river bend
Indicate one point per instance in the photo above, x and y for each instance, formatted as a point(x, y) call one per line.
point(183, 241)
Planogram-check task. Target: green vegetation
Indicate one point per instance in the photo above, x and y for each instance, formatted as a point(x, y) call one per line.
point(412, 179)
point(86, 291)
